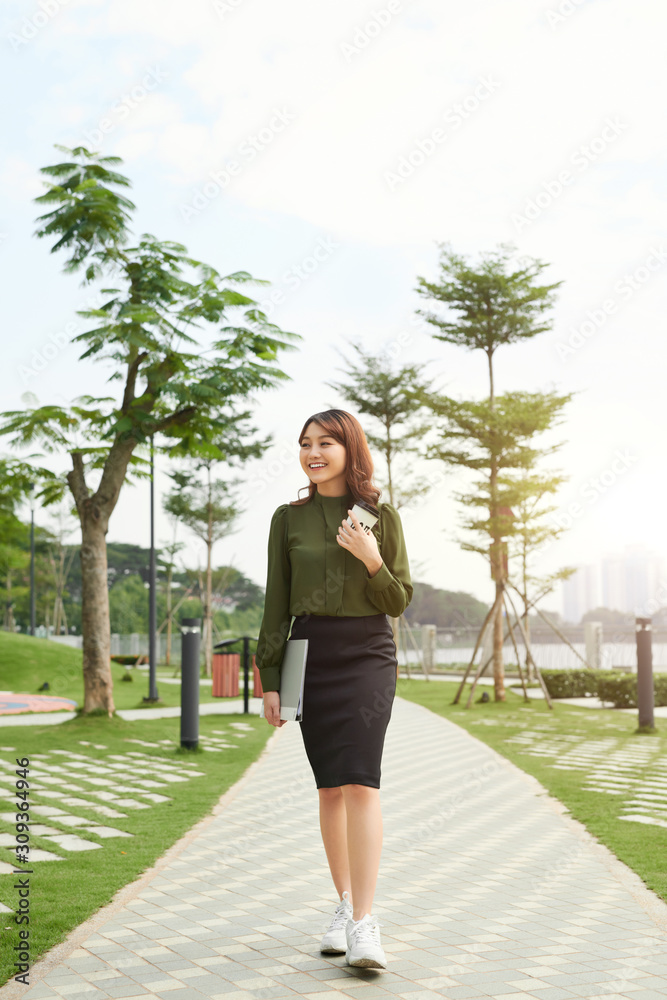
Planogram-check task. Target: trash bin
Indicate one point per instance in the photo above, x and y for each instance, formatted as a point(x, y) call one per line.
point(226, 668)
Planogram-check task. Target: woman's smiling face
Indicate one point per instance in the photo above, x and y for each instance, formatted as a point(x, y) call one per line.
point(321, 449)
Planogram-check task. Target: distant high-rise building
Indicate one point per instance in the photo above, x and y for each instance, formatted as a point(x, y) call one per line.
point(580, 593)
point(631, 581)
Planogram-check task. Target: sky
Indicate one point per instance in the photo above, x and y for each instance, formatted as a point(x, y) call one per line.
point(329, 149)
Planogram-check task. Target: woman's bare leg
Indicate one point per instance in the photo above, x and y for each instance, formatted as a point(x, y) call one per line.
point(333, 824)
point(364, 843)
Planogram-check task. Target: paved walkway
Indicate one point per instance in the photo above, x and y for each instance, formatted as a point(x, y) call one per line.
point(227, 706)
point(486, 889)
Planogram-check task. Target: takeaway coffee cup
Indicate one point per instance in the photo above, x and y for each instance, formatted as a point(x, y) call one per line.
point(366, 514)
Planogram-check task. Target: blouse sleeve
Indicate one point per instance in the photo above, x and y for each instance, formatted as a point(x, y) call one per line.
point(391, 588)
point(276, 621)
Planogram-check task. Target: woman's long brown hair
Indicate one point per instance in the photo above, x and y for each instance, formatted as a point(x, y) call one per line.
point(346, 429)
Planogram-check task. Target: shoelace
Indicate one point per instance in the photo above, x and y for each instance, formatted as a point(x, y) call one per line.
point(341, 915)
point(367, 929)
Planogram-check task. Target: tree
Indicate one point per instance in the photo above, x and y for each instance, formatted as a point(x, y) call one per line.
point(385, 395)
point(173, 387)
point(496, 442)
point(489, 306)
point(169, 564)
point(530, 535)
point(208, 511)
point(391, 399)
point(60, 558)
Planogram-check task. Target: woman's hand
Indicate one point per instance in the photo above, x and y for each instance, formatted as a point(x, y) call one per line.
point(363, 546)
point(272, 709)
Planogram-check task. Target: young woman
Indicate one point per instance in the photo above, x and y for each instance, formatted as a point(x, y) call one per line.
point(340, 584)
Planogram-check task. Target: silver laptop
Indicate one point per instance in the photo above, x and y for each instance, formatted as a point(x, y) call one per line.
point(292, 678)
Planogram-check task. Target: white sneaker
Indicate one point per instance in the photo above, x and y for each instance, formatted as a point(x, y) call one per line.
point(334, 939)
point(363, 943)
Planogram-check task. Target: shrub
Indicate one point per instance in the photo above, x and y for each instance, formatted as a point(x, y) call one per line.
point(129, 661)
point(611, 686)
point(621, 689)
point(570, 683)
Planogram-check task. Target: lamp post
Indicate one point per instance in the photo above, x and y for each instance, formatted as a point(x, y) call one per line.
point(645, 700)
point(152, 597)
point(31, 488)
point(190, 638)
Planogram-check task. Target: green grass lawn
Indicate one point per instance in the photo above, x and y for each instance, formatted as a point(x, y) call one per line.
point(64, 893)
point(642, 847)
point(26, 662)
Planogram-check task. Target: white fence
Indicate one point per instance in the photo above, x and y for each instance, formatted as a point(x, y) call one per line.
point(549, 655)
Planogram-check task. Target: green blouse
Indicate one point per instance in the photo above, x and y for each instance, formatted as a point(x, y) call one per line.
point(310, 573)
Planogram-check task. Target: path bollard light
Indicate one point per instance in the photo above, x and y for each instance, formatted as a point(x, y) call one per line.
point(190, 638)
point(643, 632)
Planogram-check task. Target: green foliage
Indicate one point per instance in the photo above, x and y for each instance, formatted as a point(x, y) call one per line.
point(445, 608)
point(490, 304)
point(496, 441)
point(611, 686)
point(608, 616)
point(128, 605)
point(621, 689)
point(570, 683)
point(147, 329)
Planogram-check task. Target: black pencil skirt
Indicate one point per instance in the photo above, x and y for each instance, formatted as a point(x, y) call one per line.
point(349, 691)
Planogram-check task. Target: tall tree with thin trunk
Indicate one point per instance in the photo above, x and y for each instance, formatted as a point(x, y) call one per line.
point(60, 558)
point(208, 510)
point(489, 305)
point(388, 394)
point(531, 537)
point(168, 563)
point(496, 441)
point(176, 383)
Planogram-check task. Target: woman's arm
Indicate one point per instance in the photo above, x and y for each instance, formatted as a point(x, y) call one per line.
point(276, 621)
point(390, 587)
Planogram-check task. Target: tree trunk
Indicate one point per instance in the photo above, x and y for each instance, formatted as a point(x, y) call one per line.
point(497, 571)
point(498, 665)
point(9, 623)
point(95, 624)
point(94, 513)
point(169, 615)
point(208, 612)
point(529, 662)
